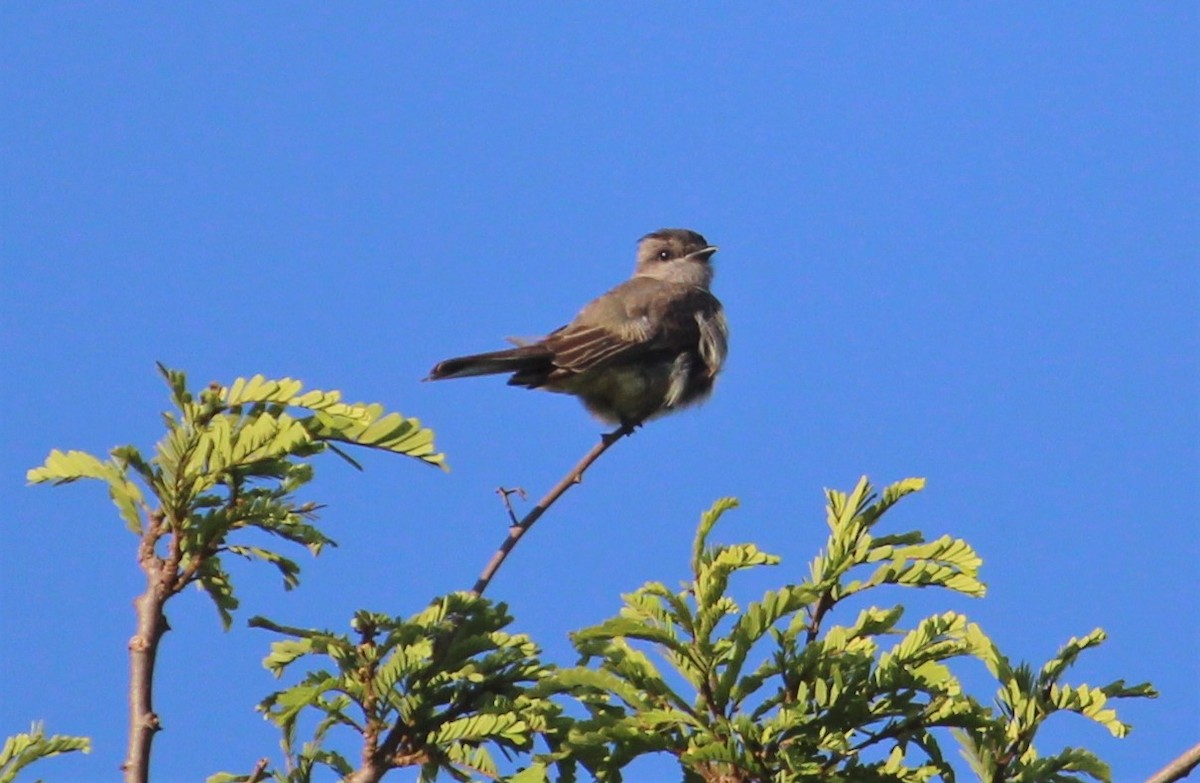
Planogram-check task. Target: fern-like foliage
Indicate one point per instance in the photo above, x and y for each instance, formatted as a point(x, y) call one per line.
point(769, 691)
point(439, 691)
point(773, 691)
point(21, 750)
point(233, 458)
point(1002, 750)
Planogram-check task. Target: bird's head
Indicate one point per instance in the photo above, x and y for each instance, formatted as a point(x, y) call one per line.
point(676, 255)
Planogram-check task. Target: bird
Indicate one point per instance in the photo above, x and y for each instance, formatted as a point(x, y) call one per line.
point(650, 346)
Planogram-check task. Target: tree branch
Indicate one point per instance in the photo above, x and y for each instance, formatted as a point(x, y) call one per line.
point(381, 755)
point(1180, 768)
point(143, 648)
point(259, 773)
point(574, 476)
point(824, 604)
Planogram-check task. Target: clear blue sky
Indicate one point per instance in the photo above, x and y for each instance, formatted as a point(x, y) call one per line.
point(957, 241)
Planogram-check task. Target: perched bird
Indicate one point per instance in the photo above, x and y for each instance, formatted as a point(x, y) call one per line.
point(650, 346)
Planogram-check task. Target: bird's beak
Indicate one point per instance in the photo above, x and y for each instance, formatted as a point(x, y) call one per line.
point(704, 254)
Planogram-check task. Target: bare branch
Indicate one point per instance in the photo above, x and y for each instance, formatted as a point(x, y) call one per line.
point(380, 756)
point(143, 648)
point(260, 771)
point(574, 476)
point(1180, 768)
point(824, 604)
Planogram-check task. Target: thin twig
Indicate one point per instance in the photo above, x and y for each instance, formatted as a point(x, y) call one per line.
point(380, 756)
point(260, 771)
point(506, 495)
point(824, 604)
point(1180, 768)
point(574, 476)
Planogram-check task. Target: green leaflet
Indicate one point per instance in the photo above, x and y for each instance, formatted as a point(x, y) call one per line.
point(802, 701)
point(708, 521)
point(534, 773)
point(234, 458)
point(214, 580)
point(1002, 747)
point(65, 467)
point(904, 559)
point(449, 684)
point(21, 750)
point(820, 700)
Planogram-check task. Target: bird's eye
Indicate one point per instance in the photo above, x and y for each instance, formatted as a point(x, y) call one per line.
point(663, 255)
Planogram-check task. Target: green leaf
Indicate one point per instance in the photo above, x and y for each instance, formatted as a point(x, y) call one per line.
point(708, 520)
point(21, 750)
point(368, 426)
point(230, 777)
point(478, 728)
point(1069, 760)
point(894, 492)
point(831, 702)
point(285, 653)
point(259, 389)
point(1069, 653)
point(1119, 690)
point(214, 580)
point(287, 568)
point(759, 618)
point(578, 680)
point(225, 777)
point(841, 508)
point(449, 681)
point(631, 628)
point(1025, 700)
point(468, 759)
point(946, 562)
point(66, 467)
point(283, 707)
point(1089, 702)
point(233, 458)
point(534, 773)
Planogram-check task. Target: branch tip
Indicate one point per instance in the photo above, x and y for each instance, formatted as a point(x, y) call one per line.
point(519, 527)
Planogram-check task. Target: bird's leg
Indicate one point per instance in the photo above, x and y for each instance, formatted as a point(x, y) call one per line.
point(609, 438)
point(628, 427)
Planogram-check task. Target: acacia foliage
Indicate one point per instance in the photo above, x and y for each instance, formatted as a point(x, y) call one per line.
point(233, 459)
point(21, 750)
point(440, 691)
point(789, 687)
point(772, 690)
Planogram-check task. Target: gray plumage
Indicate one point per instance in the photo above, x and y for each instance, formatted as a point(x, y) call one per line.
point(650, 346)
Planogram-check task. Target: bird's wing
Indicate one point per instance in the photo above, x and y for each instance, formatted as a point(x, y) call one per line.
point(579, 348)
point(638, 317)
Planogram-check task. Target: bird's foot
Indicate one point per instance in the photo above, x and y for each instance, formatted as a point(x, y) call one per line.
point(628, 427)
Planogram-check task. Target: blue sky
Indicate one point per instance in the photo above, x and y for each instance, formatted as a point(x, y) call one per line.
point(957, 241)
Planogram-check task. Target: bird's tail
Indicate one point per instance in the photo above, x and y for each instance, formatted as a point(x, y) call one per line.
point(526, 357)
